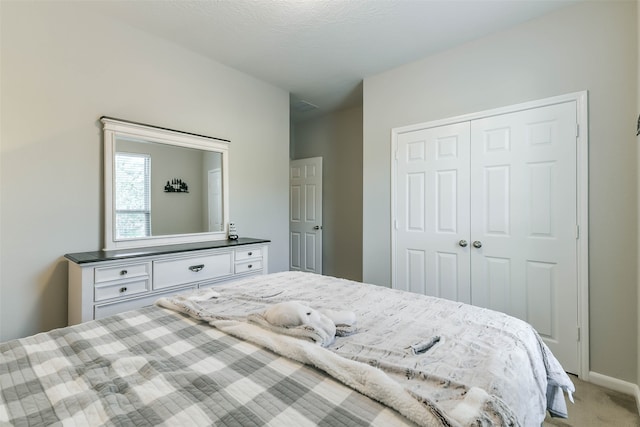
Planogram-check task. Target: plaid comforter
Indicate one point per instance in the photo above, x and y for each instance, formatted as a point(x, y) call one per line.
point(158, 367)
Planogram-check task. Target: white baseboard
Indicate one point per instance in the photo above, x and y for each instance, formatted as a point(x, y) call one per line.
point(616, 384)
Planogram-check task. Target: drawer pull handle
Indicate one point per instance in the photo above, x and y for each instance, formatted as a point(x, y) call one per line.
point(123, 272)
point(123, 289)
point(196, 268)
point(249, 266)
point(250, 253)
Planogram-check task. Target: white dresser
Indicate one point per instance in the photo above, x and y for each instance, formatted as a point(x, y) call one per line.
point(103, 283)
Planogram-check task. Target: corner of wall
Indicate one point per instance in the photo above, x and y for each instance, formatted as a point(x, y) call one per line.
point(1, 299)
point(638, 177)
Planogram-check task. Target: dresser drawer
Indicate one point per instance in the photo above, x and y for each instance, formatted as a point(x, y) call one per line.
point(104, 310)
point(243, 267)
point(121, 289)
point(123, 271)
point(246, 254)
point(192, 269)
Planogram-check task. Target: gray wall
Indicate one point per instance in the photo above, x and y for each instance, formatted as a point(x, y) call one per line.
point(337, 138)
point(61, 70)
point(590, 46)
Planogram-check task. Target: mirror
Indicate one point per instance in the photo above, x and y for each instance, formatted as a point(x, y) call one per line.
point(163, 186)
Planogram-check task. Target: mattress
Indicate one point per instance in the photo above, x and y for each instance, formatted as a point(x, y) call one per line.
point(203, 361)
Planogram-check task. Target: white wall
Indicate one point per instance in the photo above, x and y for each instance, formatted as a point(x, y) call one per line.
point(337, 138)
point(590, 46)
point(61, 70)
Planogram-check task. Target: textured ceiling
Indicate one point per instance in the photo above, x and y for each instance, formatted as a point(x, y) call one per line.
point(320, 50)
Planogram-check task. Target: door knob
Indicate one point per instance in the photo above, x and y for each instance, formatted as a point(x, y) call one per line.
point(317, 227)
point(477, 244)
point(463, 243)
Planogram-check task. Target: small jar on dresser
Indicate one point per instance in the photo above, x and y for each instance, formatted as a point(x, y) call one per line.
point(103, 283)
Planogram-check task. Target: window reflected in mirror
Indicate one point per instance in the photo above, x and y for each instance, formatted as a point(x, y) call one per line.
point(132, 195)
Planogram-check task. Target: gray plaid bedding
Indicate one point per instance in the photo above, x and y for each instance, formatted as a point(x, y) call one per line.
point(157, 367)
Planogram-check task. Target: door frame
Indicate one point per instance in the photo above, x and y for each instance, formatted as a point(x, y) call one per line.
point(582, 202)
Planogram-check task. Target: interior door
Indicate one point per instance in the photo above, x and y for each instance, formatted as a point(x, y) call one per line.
point(524, 221)
point(432, 225)
point(305, 216)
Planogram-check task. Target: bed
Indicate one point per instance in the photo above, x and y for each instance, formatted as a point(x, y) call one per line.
point(208, 358)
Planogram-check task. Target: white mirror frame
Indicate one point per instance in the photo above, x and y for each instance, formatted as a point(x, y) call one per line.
point(115, 127)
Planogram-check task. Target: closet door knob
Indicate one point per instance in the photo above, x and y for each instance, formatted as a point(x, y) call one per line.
point(463, 243)
point(477, 244)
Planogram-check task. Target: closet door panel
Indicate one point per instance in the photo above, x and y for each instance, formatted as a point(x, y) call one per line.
point(432, 212)
point(497, 203)
point(523, 212)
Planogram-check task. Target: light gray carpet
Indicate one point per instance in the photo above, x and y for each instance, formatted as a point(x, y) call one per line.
point(597, 406)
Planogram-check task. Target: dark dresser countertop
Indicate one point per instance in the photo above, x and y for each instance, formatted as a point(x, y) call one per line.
point(102, 255)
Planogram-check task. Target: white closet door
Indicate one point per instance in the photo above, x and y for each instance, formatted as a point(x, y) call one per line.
point(432, 211)
point(523, 214)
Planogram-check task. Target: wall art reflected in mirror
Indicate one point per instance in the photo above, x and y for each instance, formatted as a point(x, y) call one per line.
point(163, 186)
